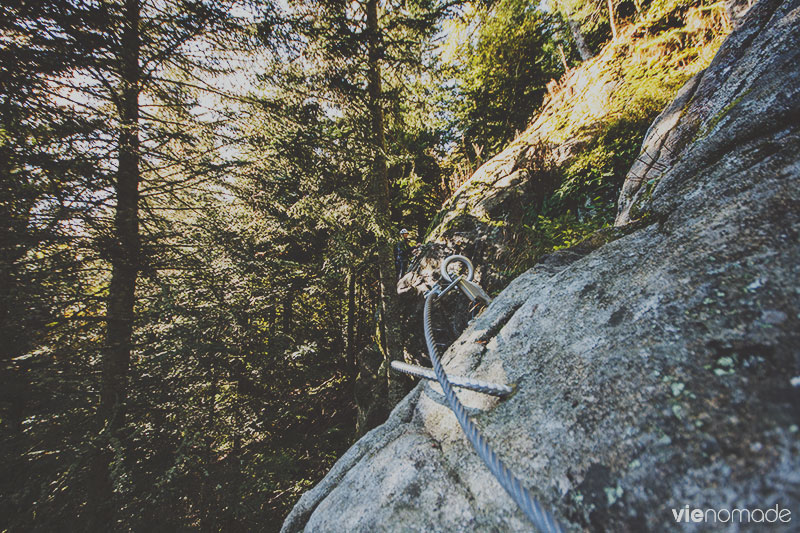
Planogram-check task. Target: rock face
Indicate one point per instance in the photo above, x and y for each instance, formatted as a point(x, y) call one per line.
point(655, 367)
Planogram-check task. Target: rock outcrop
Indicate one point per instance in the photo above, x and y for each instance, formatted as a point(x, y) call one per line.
point(626, 83)
point(656, 366)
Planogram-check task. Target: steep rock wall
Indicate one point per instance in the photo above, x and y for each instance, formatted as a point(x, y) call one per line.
point(656, 370)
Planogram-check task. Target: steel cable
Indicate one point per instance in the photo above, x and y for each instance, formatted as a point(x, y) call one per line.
point(540, 517)
point(478, 385)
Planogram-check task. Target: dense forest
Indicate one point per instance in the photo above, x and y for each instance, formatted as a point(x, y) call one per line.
point(200, 206)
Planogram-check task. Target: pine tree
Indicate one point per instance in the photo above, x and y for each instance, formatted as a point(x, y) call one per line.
point(357, 47)
point(502, 73)
point(94, 73)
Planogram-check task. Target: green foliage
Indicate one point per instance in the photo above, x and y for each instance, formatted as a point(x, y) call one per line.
point(503, 75)
point(591, 183)
point(585, 197)
point(673, 40)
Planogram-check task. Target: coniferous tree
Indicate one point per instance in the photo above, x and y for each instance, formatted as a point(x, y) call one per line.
point(502, 74)
point(365, 53)
point(96, 73)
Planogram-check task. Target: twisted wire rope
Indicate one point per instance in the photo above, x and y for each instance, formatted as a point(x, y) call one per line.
point(463, 382)
point(540, 517)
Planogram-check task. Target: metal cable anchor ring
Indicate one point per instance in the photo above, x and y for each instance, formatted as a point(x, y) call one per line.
point(461, 259)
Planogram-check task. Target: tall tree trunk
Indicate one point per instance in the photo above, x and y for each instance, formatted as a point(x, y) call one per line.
point(611, 17)
point(580, 42)
point(206, 497)
point(380, 198)
point(362, 303)
point(288, 311)
point(124, 269)
point(125, 253)
point(563, 58)
point(351, 325)
point(9, 255)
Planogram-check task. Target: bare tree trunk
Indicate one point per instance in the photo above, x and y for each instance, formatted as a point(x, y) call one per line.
point(11, 227)
point(207, 513)
point(580, 42)
point(611, 18)
point(124, 270)
point(360, 303)
point(380, 191)
point(351, 325)
point(125, 254)
point(288, 311)
point(563, 58)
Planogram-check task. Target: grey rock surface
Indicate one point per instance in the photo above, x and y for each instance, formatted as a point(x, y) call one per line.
point(658, 368)
point(749, 91)
point(737, 9)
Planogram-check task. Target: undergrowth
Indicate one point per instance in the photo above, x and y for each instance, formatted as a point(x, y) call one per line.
point(658, 53)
